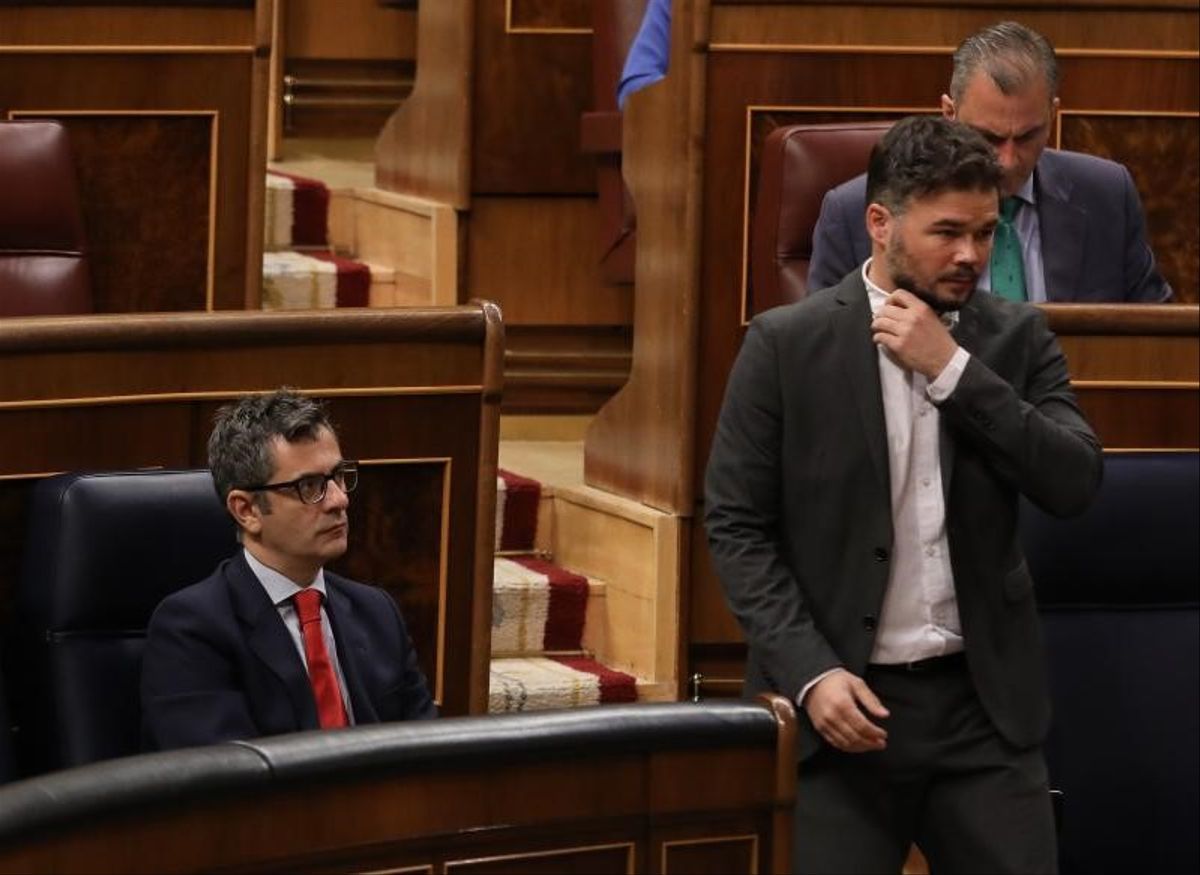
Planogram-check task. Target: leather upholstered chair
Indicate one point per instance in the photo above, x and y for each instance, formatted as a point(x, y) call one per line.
point(799, 164)
point(102, 551)
point(43, 260)
point(1119, 593)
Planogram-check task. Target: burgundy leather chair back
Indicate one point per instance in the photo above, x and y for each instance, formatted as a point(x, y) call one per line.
point(799, 164)
point(43, 261)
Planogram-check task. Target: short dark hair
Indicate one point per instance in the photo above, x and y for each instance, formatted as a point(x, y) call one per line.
point(239, 449)
point(924, 155)
point(1010, 54)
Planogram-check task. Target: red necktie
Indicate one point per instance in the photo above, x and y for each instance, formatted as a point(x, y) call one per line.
point(330, 710)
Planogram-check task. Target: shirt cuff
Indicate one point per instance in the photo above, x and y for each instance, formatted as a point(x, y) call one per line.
point(808, 686)
point(947, 381)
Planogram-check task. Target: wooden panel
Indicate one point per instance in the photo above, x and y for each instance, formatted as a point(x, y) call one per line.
point(1163, 155)
point(167, 263)
point(109, 24)
point(572, 369)
point(534, 256)
point(424, 149)
point(1163, 26)
point(349, 30)
point(415, 395)
point(529, 92)
point(641, 444)
point(601, 860)
point(159, 131)
point(547, 16)
point(711, 856)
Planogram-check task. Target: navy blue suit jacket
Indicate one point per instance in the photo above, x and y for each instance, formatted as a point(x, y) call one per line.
point(220, 665)
point(1094, 247)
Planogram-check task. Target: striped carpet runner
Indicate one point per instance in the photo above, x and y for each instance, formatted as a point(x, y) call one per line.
point(539, 612)
point(299, 271)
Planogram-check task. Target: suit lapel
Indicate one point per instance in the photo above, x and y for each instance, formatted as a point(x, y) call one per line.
point(1062, 226)
point(352, 648)
point(270, 641)
point(860, 360)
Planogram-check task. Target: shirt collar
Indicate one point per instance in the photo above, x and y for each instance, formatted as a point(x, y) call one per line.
point(877, 297)
point(1026, 193)
point(280, 588)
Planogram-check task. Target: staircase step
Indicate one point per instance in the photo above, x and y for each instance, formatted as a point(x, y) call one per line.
point(517, 501)
point(541, 683)
point(297, 212)
point(537, 606)
point(313, 280)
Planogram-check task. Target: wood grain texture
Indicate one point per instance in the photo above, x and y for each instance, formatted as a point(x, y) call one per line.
point(131, 391)
point(424, 149)
point(348, 30)
point(535, 257)
point(641, 444)
point(1117, 25)
point(1163, 156)
point(529, 91)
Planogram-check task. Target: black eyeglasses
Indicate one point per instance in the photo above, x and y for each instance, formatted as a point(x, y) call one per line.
point(311, 488)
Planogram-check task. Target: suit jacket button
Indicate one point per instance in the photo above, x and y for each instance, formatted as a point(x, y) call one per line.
point(881, 555)
point(869, 623)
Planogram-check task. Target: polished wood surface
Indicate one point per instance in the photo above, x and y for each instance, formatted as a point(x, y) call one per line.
point(415, 394)
point(646, 806)
point(641, 444)
point(184, 85)
point(424, 149)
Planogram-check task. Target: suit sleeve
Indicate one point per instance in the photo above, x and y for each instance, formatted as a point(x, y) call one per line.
point(1033, 436)
point(411, 692)
point(1143, 282)
point(832, 245)
point(743, 520)
point(191, 694)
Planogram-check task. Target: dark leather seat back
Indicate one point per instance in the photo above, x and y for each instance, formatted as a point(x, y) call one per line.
point(1119, 590)
point(102, 551)
point(43, 261)
point(799, 164)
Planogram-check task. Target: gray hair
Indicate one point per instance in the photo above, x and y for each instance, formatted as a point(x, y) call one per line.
point(240, 451)
point(1010, 54)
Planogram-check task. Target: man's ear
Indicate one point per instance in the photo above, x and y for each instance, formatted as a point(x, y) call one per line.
point(949, 110)
point(245, 511)
point(879, 223)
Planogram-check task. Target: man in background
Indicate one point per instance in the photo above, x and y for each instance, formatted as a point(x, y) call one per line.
point(861, 508)
point(271, 642)
point(1071, 226)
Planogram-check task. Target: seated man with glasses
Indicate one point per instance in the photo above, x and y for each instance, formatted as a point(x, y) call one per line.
point(271, 642)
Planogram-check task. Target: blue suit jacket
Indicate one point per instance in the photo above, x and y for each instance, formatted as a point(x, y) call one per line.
point(220, 665)
point(1094, 247)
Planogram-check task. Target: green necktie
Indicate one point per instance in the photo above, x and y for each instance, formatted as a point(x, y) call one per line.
point(1008, 270)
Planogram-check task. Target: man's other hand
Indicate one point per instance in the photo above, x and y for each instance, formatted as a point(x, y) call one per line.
point(839, 705)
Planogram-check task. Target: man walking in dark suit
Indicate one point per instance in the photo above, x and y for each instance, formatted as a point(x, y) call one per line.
point(271, 642)
point(1071, 226)
point(861, 507)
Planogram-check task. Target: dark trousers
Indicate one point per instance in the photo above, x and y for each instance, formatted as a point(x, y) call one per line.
point(946, 781)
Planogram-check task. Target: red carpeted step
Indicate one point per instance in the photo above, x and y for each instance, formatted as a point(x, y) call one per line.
point(297, 211)
point(517, 500)
point(536, 606)
point(556, 682)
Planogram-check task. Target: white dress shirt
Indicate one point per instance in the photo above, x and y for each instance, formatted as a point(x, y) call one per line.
point(919, 618)
point(280, 590)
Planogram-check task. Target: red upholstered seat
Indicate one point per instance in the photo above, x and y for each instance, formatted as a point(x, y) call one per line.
point(799, 164)
point(43, 260)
